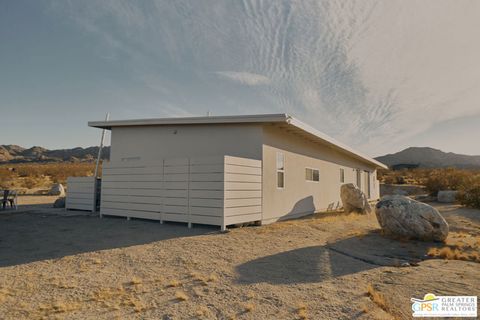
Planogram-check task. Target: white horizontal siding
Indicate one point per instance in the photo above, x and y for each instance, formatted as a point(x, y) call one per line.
point(243, 190)
point(196, 190)
point(80, 193)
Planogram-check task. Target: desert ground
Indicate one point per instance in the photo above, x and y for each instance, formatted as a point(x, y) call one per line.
point(57, 264)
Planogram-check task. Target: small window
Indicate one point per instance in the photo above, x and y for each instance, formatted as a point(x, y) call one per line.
point(280, 170)
point(312, 174)
point(342, 175)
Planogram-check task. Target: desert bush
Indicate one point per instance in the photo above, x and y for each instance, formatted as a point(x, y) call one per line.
point(448, 179)
point(31, 174)
point(6, 177)
point(470, 196)
point(30, 182)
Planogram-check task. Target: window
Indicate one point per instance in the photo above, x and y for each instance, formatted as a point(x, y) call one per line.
point(342, 175)
point(280, 170)
point(312, 174)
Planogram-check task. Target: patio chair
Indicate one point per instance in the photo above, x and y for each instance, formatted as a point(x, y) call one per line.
point(9, 196)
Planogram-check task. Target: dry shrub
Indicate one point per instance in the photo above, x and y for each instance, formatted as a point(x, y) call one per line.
point(449, 253)
point(249, 307)
point(470, 196)
point(135, 281)
point(4, 294)
point(450, 179)
point(302, 310)
point(40, 172)
point(365, 309)
point(202, 311)
point(174, 283)
point(59, 307)
point(212, 278)
point(181, 296)
point(377, 297)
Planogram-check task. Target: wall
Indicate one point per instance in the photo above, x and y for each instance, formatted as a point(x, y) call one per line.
point(299, 196)
point(149, 143)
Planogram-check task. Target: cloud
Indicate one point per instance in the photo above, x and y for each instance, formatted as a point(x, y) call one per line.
point(374, 74)
point(246, 78)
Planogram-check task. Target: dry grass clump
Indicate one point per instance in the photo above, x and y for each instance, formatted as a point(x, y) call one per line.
point(202, 311)
point(174, 283)
point(114, 297)
point(59, 307)
point(377, 297)
point(449, 253)
point(302, 310)
point(249, 307)
point(458, 246)
point(4, 294)
point(202, 278)
point(135, 281)
point(181, 296)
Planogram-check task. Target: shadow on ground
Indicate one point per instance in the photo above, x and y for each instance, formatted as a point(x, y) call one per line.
point(335, 259)
point(37, 235)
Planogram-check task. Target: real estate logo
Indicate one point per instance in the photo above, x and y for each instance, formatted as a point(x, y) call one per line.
point(444, 306)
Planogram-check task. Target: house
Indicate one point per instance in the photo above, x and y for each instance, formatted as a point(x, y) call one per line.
point(225, 170)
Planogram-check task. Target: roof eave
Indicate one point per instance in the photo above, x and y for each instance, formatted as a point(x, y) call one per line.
point(332, 142)
point(281, 117)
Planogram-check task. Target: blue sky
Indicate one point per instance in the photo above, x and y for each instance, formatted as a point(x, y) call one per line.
point(377, 75)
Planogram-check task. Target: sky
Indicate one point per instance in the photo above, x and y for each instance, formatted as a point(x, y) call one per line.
point(379, 76)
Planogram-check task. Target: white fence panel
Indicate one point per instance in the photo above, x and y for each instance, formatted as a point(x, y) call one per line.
point(218, 190)
point(80, 193)
point(243, 190)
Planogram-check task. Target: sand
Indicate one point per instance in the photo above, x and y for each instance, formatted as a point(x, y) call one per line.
point(74, 265)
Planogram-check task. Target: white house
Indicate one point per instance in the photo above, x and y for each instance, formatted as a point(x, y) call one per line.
point(224, 170)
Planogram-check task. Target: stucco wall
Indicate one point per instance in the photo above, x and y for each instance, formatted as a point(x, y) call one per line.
point(155, 142)
point(300, 196)
point(252, 141)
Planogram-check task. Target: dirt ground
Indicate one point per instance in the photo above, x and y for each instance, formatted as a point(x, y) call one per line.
point(57, 264)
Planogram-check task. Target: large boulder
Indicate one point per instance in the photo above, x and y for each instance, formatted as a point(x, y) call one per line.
point(404, 217)
point(447, 196)
point(59, 203)
point(353, 199)
point(57, 190)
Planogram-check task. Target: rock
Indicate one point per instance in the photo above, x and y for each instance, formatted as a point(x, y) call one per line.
point(59, 203)
point(353, 199)
point(57, 190)
point(447, 196)
point(403, 217)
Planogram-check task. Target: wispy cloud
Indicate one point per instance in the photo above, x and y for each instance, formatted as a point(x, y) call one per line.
point(372, 73)
point(247, 78)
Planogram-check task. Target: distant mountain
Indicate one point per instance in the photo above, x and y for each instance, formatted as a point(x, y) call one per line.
point(16, 154)
point(429, 158)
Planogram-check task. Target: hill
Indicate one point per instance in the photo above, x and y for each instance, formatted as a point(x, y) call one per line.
point(17, 154)
point(430, 158)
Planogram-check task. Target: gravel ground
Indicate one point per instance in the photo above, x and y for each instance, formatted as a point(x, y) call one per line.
point(73, 265)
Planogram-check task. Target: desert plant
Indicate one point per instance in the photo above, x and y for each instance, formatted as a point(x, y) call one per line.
point(376, 296)
point(470, 197)
point(447, 179)
point(181, 296)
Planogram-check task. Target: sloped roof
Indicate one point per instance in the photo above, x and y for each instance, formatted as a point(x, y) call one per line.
point(283, 119)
